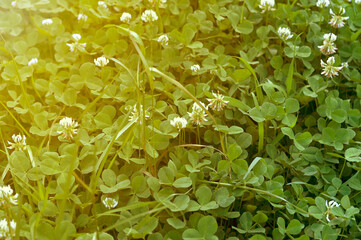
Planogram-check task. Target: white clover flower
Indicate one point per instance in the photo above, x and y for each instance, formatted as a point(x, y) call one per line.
point(68, 128)
point(125, 18)
point(329, 37)
point(71, 47)
point(328, 46)
point(323, 3)
point(329, 70)
point(198, 115)
point(160, 2)
point(46, 22)
point(5, 232)
point(344, 64)
point(76, 45)
point(19, 143)
point(6, 196)
point(149, 16)
point(329, 206)
point(138, 114)
point(76, 37)
point(110, 202)
point(102, 4)
point(82, 17)
point(195, 68)
point(267, 5)
point(179, 122)
point(284, 33)
point(33, 61)
point(217, 103)
point(337, 20)
point(163, 39)
point(358, 1)
point(101, 61)
point(13, 3)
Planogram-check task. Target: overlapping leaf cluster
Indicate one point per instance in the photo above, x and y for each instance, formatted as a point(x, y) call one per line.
point(273, 151)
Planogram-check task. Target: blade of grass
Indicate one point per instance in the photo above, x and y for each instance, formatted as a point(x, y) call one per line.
point(13, 117)
point(259, 92)
point(139, 47)
point(102, 159)
point(289, 80)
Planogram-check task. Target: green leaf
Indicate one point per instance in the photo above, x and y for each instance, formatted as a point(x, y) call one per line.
point(294, 227)
point(353, 155)
point(109, 177)
point(245, 27)
point(204, 195)
point(260, 218)
point(192, 234)
point(256, 115)
point(176, 223)
point(246, 221)
point(234, 151)
point(159, 141)
point(339, 115)
point(302, 140)
point(303, 52)
point(240, 75)
point(182, 182)
point(276, 62)
point(288, 132)
point(166, 175)
point(207, 225)
point(292, 105)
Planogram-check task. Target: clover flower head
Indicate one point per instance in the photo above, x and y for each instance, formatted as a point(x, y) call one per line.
point(76, 36)
point(179, 122)
point(6, 232)
point(149, 16)
point(329, 70)
point(14, 3)
point(323, 3)
point(110, 202)
point(46, 22)
point(138, 114)
point(337, 20)
point(7, 196)
point(19, 143)
point(102, 4)
point(217, 103)
point(267, 5)
point(68, 128)
point(33, 62)
point(195, 68)
point(284, 33)
point(163, 39)
point(329, 37)
point(358, 1)
point(125, 18)
point(329, 206)
point(160, 2)
point(344, 65)
point(328, 46)
point(101, 61)
point(82, 17)
point(198, 115)
point(74, 46)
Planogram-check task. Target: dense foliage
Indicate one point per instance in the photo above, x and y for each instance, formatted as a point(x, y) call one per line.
point(180, 119)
